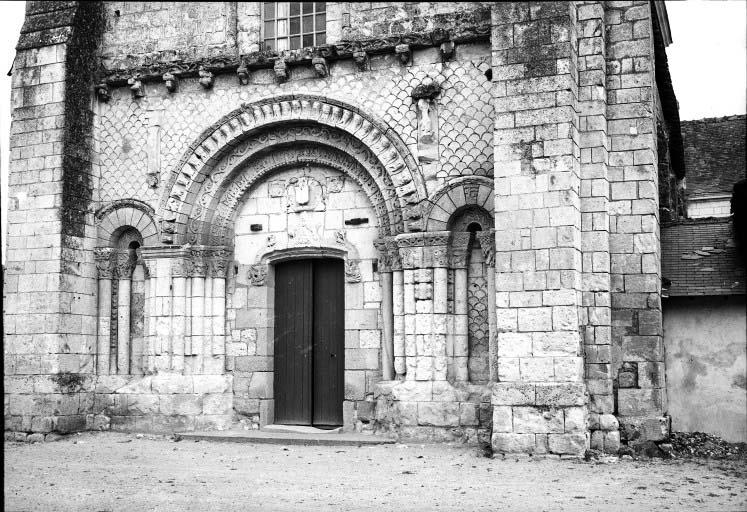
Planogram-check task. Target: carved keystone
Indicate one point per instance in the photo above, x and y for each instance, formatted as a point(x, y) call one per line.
point(320, 66)
point(281, 70)
point(171, 81)
point(403, 52)
point(206, 78)
point(136, 86)
point(243, 73)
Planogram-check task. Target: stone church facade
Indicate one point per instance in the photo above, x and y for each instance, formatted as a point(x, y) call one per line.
point(439, 220)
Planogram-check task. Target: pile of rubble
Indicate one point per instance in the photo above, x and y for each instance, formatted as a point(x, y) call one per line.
point(702, 445)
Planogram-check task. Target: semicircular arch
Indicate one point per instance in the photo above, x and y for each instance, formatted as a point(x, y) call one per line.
point(219, 141)
point(457, 194)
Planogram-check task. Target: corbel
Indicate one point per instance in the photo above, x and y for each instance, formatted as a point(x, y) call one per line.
point(243, 73)
point(206, 78)
point(361, 58)
point(281, 70)
point(320, 66)
point(102, 92)
point(136, 86)
point(447, 50)
point(171, 81)
point(403, 52)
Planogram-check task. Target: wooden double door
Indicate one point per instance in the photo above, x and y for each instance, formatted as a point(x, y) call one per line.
point(309, 342)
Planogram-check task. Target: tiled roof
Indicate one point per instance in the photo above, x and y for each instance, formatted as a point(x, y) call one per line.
point(714, 154)
point(699, 257)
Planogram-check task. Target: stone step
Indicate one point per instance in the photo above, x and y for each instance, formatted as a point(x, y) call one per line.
point(286, 438)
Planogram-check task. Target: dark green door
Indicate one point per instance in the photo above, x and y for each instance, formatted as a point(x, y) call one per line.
point(309, 342)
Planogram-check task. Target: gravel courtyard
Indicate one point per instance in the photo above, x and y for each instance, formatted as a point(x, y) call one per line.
point(112, 472)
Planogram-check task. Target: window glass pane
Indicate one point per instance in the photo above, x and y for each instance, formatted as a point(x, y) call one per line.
point(282, 44)
point(308, 23)
point(269, 44)
point(282, 9)
point(295, 8)
point(308, 7)
point(308, 40)
point(295, 42)
point(320, 6)
point(321, 38)
point(269, 10)
point(321, 23)
point(282, 28)
point(269, 29)
point(295, 26)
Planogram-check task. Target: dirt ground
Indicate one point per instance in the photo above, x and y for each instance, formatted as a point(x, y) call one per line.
point(112, 472)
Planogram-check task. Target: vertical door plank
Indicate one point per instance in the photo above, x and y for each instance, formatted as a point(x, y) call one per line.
point(329, 342)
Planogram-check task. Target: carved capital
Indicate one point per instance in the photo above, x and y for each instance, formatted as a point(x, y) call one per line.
point(199, 264)
point(104, 262)
point(487, 244)
point(125, 264)
point(459, 246)
point(352, 271)
point(181, 267)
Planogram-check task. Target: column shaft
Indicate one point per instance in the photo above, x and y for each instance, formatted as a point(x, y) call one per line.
point(387, 312)
point(104, 325)
point(461, 332)
point(398, 303)
point(123, 326)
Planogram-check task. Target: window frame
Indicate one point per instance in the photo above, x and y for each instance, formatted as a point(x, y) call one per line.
point(286, 16)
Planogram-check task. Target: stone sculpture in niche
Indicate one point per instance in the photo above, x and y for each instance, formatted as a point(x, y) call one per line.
point(305, 193)
point(424, 95)
point(352, 271)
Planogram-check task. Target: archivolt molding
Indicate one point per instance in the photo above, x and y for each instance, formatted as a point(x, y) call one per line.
point(210, 219)
point(222, 137)
point(125, 213)
point(457, 194)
